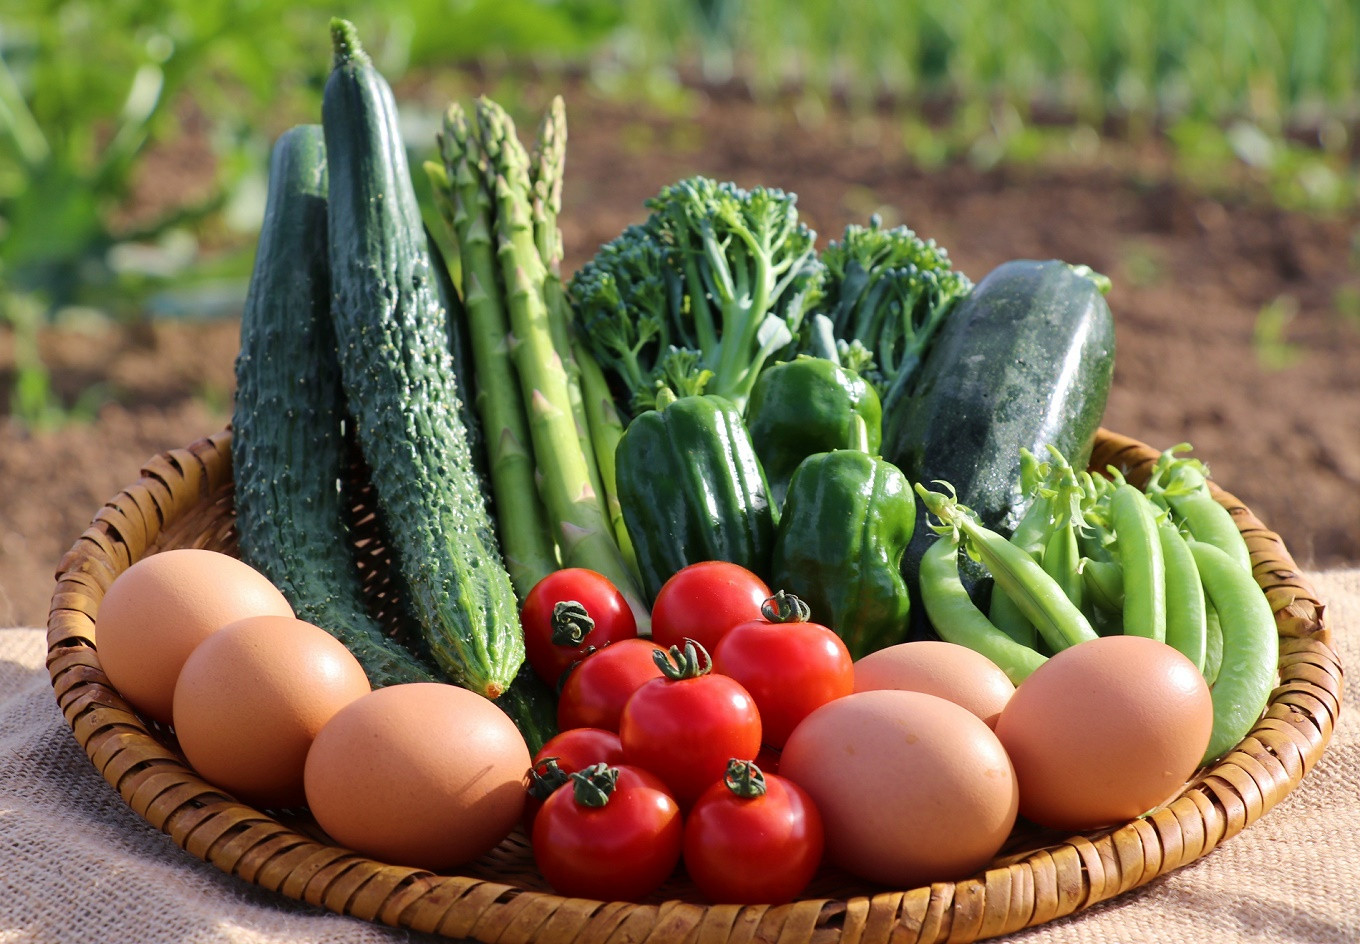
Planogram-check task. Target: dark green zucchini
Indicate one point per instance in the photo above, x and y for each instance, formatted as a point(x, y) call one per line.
point(402, 392)
point(288, 448)
point(1025, 360)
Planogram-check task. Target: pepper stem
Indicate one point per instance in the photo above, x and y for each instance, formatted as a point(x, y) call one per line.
point(678, 665)
point(570, 623)
point(785, 608)
point(744, 779)
point(594, 785)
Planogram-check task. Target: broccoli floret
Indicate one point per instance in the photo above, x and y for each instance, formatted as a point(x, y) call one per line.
point(889, 290)
point(715, 283)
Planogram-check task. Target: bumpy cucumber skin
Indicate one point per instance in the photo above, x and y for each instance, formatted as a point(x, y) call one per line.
point(288, 448)
point(399, 376)
point(1025, 360)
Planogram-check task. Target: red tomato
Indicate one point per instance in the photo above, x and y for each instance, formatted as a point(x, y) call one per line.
point(557, 634)
point(596, 689)
point(790, 669)
point(564, 754)
point(621, 849)
point(703, 601)
point(745, 846)
point(686, 726)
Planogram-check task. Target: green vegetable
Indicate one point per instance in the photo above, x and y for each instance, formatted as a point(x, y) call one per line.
point(956, 617)
point(887, 293)
point(466, 206)
point(1182, 485)
point(1140, 558)
point(1055, 617)
point(1186, 626)
point(695, 300)
point(692, 490)
point(288, 447)
point(1250, 647)
point(1024, 361)
point(805, 406)
point(845, 523)
point(398, 375)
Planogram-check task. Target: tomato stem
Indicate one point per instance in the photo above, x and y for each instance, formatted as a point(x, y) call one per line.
point(545, 777)
point(594, 785)
point(785, 608)
point(570, 623)
point(744, 778)
point(677, 665)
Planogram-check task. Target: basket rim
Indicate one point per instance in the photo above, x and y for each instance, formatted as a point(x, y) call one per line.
point(1024, 890)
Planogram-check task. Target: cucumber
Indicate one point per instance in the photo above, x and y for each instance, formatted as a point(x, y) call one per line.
point(1025, 360)
point(288, 448)
point(399, 378)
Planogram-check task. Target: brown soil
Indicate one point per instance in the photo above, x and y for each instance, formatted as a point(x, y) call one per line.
point(1191, 275)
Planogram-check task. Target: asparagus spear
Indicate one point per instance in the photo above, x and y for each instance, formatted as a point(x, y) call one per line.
point(525, 538)
point(574, 506)
point(544, 182)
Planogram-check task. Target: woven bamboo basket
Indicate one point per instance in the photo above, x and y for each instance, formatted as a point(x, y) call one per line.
point(184, 499)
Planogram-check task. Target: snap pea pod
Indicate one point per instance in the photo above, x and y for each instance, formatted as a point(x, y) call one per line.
point(1250, 647)
point(1104, 584)
point(1140, 554)
point(1055, 617)
point(958, 620)
point(1181, 484)
point(1213, 642)
point(1002, 611)
point(1185, 620)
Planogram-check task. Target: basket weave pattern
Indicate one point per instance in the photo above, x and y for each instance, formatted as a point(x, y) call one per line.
point(184, 499)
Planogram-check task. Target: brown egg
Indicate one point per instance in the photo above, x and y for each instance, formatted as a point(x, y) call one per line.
point(912, 788)
point(158, 610)
point(422, 774)
point(1106, 730)
point(252, 697)
point(943, 669)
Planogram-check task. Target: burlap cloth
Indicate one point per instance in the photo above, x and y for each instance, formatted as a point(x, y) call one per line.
point(76, 864)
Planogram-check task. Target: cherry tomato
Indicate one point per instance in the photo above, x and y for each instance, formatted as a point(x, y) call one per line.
point(562, 755)
point(597, 687)
point(703, 601)
point(686, 726)
point(614, 834)
point(752, 838)
point(566, 613)
point(789, 665)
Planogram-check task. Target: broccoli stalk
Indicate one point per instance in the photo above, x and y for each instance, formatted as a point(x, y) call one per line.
point(887, 292)
point(696, 300)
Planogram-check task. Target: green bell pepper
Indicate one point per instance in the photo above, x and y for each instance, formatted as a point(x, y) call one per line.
point(846, 522)
point(691, 489)
point(809, 405)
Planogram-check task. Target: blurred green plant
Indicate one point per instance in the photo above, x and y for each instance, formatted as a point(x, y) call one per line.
point(87, 86)
point(1274, 350)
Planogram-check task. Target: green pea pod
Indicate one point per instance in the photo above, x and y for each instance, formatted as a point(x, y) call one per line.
point(1213, 643)
point(847, 520)
point(691, 489)
point(1185, 620)
point(1140, 554)
point(805, 406)
point(958, 620)
point(1060, 623)
point(1251, 647)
